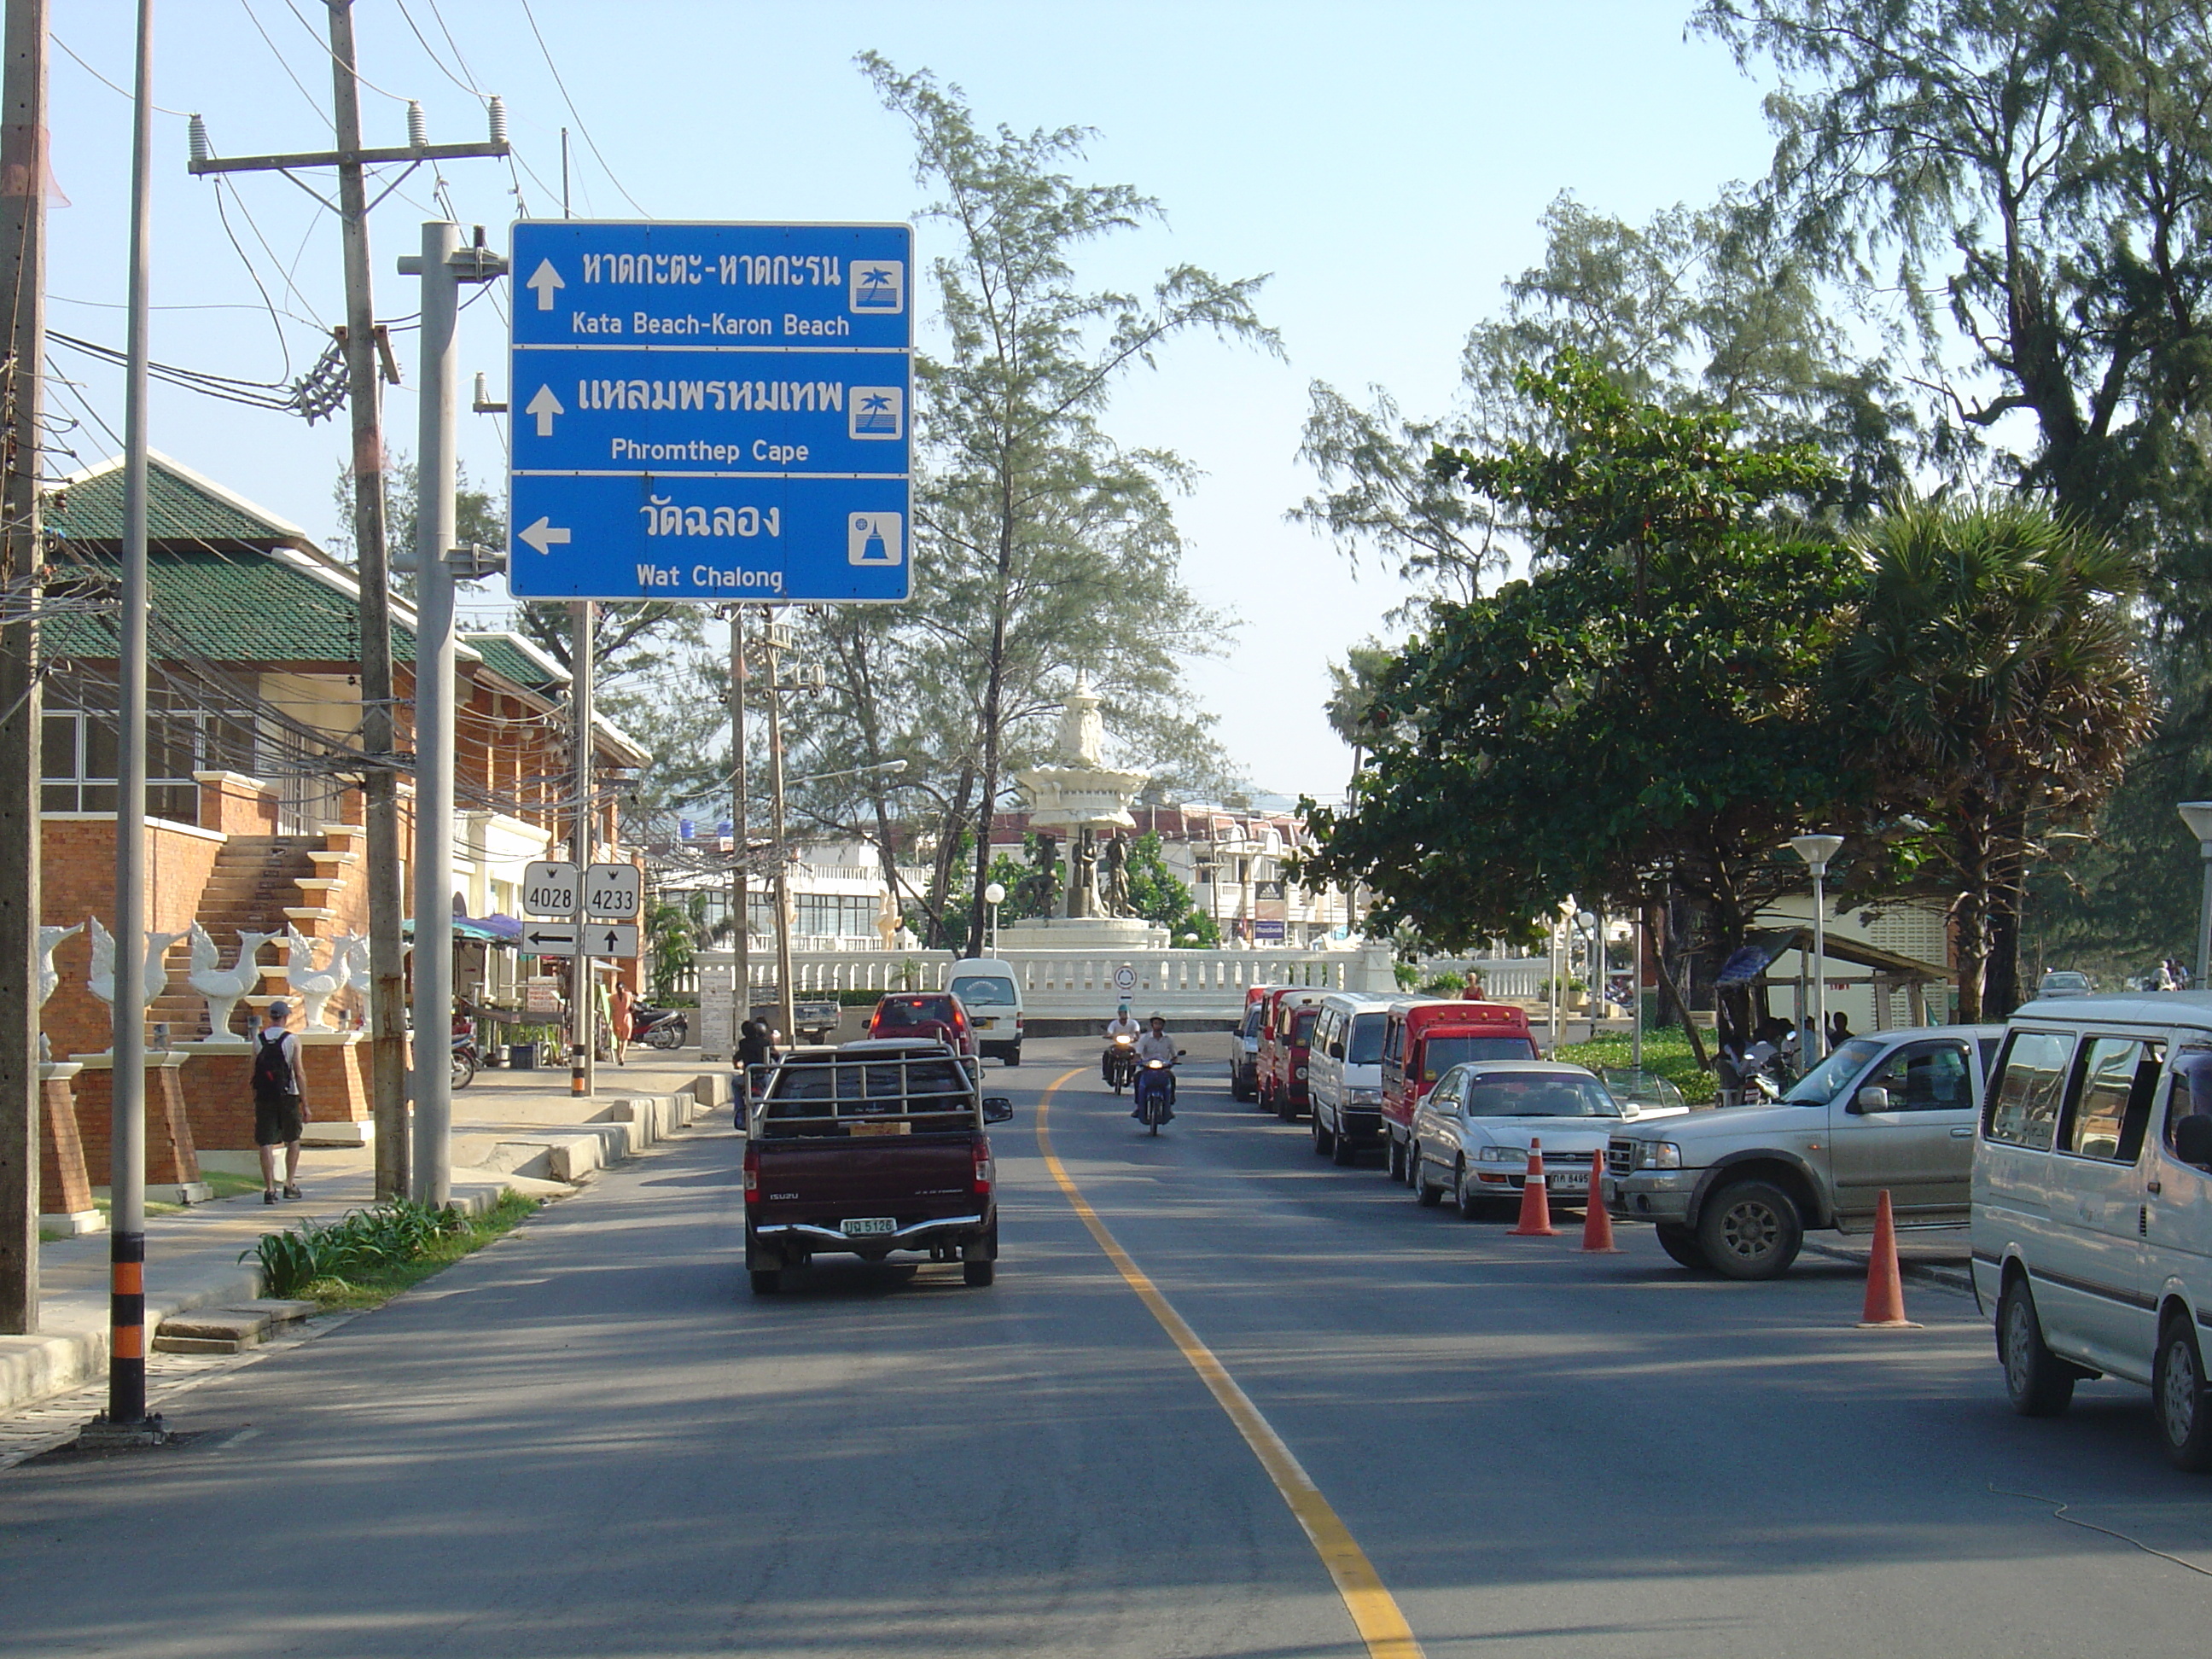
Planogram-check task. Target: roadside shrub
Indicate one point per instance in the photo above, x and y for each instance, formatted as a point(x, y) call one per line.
point(360, 1242)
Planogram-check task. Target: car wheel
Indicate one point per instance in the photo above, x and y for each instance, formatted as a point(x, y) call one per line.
point(1470, 1203)
point(1344, 1152)
point(767, 1282)
point(1751, 1230)
point(1393, 1159)
point(1323, 1142)
point(1681, 1244)
point(2177, 1395)
point(978, 1273)
point(2037, 1382)
point(1014, 1055)
point(1417, 1178)
point(1285, 1108)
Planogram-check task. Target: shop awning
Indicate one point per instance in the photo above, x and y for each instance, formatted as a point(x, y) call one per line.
point(1761, 950)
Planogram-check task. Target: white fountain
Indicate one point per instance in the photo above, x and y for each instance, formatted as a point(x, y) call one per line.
point(1082, 803)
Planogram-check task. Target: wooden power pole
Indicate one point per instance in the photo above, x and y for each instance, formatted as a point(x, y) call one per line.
point(380, 786)
point(23, 173)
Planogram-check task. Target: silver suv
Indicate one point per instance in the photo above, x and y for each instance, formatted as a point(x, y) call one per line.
point(1735, 1189)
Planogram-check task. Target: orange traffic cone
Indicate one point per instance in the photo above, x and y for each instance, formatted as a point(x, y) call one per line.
point(1885, 1295)
point(1597, 1225)
point(1536, 1205)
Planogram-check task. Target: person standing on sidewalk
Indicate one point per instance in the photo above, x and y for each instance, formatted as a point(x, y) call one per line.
point(620, 1023)
point(280, 1101)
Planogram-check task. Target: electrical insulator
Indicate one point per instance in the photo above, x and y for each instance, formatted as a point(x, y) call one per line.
point(497, 110)
point(418, 129)
point(196, 136)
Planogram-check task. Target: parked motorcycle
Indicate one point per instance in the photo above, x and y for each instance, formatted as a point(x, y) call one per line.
point(465, 1058)
point(659, 1028)
point(1120, 1063)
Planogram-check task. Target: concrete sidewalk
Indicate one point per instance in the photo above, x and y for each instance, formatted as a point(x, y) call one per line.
point(513, 1131)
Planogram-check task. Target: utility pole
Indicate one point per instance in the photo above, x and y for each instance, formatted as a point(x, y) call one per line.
point(779, 636)
point(581, 986)
point(23, 268)
point(380, 781)
point(740, 885)
point(127, 1256)
point(444, 264)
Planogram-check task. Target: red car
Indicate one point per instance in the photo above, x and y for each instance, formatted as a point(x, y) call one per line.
point(1423, 1039)
point(1286, 1034)
point(916, 1016)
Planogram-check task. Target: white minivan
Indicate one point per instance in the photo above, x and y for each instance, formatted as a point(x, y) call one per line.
point(1344, 1073)
point(2092, 1205)
point(992, 993)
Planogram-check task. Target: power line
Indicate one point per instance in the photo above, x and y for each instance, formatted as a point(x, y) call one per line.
point(285, 64)
point(110, 85)
point(531, 19)
point(352, 69)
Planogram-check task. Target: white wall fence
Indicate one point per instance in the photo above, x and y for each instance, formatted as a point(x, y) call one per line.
point(1512, 979)
point(1080, 984)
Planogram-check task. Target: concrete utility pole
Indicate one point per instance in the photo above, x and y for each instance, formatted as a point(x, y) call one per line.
point(444, 264)
point(741, 884)
point(582, 1072)
point(380, 783)
point(126, 1221)
point(779, 636)
point(23, 268)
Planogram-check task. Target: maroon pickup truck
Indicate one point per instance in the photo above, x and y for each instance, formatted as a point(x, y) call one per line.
point(869, 1148)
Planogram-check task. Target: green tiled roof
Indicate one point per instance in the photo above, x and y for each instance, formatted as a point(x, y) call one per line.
point(238, 607)
point(509, 661)
point(177, 509)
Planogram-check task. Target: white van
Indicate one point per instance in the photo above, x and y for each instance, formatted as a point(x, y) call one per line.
point(991, 994)
point(2092, 1205)
point(1344, 1073)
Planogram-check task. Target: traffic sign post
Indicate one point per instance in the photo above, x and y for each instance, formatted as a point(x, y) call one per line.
point(548, 888)
point(614, 890)
point(711, 411)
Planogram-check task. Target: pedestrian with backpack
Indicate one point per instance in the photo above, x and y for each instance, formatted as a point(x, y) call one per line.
point(279, 1103)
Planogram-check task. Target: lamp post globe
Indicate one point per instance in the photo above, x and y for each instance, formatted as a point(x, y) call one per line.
point(994, 896)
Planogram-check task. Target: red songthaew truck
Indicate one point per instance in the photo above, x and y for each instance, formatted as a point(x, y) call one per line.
point(1424, 1037)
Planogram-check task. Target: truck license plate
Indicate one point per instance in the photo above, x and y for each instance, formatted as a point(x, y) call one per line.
point(1569, 1181)
point(865, 1225)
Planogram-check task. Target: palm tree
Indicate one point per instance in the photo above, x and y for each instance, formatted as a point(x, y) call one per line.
point(1995, 649)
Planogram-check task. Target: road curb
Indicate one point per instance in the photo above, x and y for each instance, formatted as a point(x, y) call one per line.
point(1950, 1278)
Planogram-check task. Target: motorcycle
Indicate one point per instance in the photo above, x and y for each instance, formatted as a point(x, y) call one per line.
point(659, 1028)
point(1155, 1091)
point(465, 1058)
point(1120, 1063)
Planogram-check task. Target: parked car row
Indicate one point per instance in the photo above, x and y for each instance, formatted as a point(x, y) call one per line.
point(2075, 1141)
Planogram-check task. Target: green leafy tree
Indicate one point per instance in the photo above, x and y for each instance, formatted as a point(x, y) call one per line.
point(1994, 646)
point(1156, 895)
point(1650, 703)
point(1047, 546)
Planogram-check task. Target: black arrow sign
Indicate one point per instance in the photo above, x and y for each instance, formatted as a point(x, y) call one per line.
point(552, 938)
point(611, 936)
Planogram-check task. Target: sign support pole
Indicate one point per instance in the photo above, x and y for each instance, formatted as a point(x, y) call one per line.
point(776, 635)
point(430, 1180)
point(741, 841)
point(582, 988)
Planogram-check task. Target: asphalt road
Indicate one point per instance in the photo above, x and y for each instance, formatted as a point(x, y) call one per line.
point(590, 1439)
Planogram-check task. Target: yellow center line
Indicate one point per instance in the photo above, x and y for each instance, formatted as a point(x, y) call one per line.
point(1374, 1611)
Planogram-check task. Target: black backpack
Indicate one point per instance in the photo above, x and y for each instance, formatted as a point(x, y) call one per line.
point(272, 1072)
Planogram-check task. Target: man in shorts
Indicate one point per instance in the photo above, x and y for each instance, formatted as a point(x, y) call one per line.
point(280, 1105)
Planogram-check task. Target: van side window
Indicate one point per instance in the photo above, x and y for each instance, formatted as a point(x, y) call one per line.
point(2023, 1109)
point(2190, 1093)
point(2114, 1084)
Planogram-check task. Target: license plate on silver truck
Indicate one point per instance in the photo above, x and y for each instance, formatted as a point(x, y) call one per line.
point(866, 1226)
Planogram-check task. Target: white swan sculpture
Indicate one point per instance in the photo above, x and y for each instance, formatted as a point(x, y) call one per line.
point(101, 981)
point(49, 940)
point(317, 986)
point(222, 986)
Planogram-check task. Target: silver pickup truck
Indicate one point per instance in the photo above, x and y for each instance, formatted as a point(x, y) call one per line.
point(1737, 1189)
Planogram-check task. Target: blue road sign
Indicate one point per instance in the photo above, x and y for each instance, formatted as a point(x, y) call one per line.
point(710, 411)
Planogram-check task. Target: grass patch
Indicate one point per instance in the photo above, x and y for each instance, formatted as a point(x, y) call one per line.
point(372, 1286)
point(1666, 1052)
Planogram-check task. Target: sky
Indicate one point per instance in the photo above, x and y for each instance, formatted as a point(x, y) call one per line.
point(1385, 163)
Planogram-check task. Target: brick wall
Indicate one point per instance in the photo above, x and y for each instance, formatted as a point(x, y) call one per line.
point(77, 879)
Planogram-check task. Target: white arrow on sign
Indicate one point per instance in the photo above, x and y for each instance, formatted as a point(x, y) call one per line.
point(544, 406)
point(543, 281)
point(544, 535)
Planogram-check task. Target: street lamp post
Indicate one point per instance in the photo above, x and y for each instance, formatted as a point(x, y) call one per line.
point(2198, 815)
point(1816, 851)
point(994, 896)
